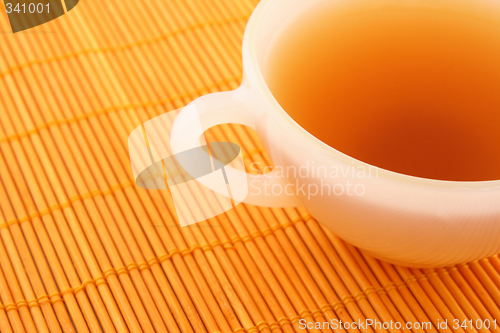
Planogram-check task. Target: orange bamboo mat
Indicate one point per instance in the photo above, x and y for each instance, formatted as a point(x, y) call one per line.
point(82, 249)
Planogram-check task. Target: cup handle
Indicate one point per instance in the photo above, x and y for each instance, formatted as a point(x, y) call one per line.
point(221, 108)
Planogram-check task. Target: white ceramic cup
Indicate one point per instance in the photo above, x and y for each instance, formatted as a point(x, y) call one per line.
point(399, 218)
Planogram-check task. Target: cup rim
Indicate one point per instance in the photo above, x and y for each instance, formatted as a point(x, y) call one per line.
point(253, 75)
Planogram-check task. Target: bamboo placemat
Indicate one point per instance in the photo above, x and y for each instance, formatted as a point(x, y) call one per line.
point(83, 249)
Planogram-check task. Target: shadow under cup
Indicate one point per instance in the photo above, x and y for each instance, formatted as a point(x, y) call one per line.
point(410, 89)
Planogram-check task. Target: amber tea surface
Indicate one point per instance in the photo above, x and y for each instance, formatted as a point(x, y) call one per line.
point(416, 91)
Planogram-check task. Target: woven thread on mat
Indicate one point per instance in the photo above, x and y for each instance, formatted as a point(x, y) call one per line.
point(207, 247)
point(198, 25)
point(116, 108)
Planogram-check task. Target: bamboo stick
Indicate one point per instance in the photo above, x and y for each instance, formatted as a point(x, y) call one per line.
point(485, 279)
point(426, 296)
point(361, 272)
point(468, 282)
point(12, 311)
point(441, 289)
point(464, 296)
point(385, 288)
